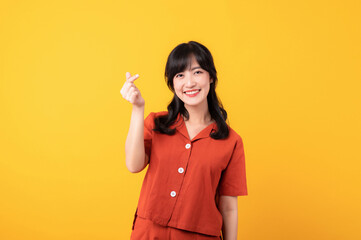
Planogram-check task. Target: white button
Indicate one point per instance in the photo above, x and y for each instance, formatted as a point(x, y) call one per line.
point(172, 193)
point(188, 146)
point(180, 170)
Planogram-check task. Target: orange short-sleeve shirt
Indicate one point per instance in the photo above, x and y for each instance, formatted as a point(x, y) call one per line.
point(184, 176)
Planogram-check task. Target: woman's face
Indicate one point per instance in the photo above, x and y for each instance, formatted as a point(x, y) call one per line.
point(192, 85)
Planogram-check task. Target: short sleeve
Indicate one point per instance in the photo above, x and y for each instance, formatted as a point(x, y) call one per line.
point(148, 126)
point(233, 178)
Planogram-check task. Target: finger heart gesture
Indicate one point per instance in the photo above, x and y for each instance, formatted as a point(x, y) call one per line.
point(130, 92)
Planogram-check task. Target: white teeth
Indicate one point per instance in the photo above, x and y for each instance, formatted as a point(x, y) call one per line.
point(192, 92)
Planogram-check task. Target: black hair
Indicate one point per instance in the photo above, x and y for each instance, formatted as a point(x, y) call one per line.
point(177, 61)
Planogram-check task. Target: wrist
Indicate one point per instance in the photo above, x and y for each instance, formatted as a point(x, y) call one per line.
point(136, 108)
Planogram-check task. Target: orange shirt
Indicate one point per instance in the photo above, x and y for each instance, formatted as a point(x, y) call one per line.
point(183, 176)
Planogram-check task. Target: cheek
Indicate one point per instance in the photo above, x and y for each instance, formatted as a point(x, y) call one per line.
point(177, 90)
point(206, 90)
point(177, 87)
point(206, 85)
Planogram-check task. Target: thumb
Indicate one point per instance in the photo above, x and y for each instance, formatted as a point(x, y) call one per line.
point(127, 75)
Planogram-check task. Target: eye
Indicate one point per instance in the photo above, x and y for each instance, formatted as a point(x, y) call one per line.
point(198, 72)
point(178, 75)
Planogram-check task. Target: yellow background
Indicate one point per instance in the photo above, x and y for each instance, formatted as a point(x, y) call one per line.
point(289, 78)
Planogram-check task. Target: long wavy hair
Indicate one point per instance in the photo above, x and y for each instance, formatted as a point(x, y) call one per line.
point(177, 61)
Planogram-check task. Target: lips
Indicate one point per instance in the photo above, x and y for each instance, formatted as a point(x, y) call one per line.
point(193, 90)
point(192, 94)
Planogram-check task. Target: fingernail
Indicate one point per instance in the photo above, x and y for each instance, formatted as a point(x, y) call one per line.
point(137, 75)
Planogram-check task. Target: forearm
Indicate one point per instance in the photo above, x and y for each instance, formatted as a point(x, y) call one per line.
point(230, 224)
point(134, 144)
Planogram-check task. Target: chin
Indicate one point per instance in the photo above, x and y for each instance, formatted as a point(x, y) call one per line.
point(192, 103)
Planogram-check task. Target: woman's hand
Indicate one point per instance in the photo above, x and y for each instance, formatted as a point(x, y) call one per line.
point(130, 92)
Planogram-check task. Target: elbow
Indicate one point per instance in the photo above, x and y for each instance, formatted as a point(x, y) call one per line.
point(131, 170)
point(132, 167)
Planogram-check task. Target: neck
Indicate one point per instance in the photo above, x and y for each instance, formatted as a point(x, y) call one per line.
point(199, 114)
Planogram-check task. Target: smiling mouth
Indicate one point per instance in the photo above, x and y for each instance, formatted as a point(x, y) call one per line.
point(192, 92)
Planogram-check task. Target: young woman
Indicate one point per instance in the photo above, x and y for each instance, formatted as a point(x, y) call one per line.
point(196, 160)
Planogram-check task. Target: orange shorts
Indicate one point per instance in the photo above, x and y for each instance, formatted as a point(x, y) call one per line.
point(145, 229)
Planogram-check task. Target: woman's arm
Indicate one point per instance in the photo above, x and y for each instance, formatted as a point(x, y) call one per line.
point(228, 206)
point(135, 157)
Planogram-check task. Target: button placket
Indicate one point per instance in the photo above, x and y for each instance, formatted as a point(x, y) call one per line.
point(180, 170)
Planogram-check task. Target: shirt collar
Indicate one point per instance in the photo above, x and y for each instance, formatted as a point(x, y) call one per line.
point(180, 126)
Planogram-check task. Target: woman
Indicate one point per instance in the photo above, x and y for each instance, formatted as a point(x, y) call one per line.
point(196, 161)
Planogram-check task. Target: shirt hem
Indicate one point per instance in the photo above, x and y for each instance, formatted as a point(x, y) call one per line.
point(165, 223)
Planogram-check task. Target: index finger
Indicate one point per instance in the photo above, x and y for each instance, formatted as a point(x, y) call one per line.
point(133, 78)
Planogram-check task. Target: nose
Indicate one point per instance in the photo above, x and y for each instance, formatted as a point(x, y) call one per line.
point(190, 81)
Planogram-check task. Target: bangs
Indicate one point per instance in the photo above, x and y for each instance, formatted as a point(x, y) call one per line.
point(181, 61)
